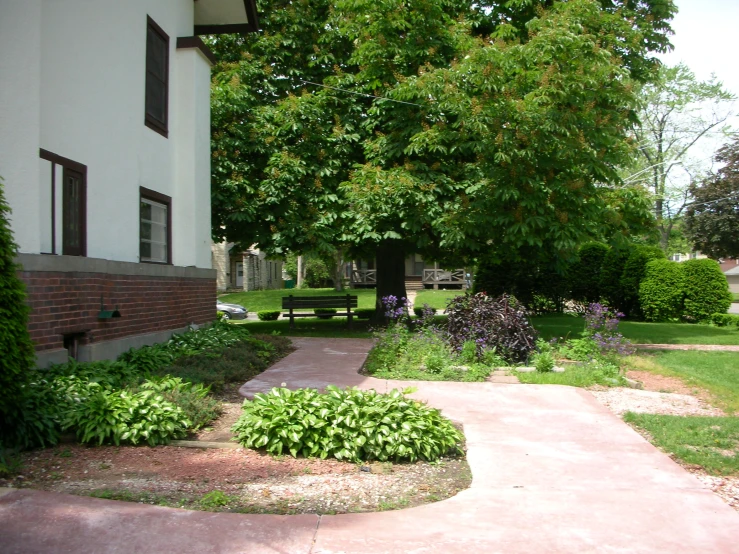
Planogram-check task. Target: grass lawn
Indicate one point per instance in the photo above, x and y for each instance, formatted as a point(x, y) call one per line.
point(258, 300)
point(310, 327)
point(717, 372)
point(710, 442)
point(573, 376)
point(436, 298)
point(571, 326)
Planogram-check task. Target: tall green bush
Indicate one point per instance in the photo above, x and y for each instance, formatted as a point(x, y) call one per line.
point(661, 291)
point(539, 282)
point(610, 277)
point(586, 271)
point(17, 356)
point(633, 273)
point(706, 290)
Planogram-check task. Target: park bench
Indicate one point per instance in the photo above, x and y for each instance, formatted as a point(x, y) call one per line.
point(311, 302)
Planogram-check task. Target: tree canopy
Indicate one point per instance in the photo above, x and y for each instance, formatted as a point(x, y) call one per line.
point(712, 219)
point(443, 127)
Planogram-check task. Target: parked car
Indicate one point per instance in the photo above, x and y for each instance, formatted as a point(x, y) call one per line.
point(231, 311)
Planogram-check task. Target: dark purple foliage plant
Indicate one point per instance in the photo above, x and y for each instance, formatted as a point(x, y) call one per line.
point(498, 324)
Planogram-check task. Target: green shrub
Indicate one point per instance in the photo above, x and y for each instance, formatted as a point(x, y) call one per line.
point(364, 313)
point(633, 273)
point(112, 374)
point(325, 313)
point(347, 424)
point(114, 416)
point(706, 290)
point(661, 290)
point(198, 407)
point(237, 363)
point(501, 324)
point(268, 315)
point(725, 320)
point(585, 273)
point(610, 278)
point(419, 310)
point(543, 361)
point(17, 356)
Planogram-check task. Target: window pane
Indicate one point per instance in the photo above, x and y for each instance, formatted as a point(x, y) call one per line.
point(156, 98)
point(156, 54)
point(153, 231)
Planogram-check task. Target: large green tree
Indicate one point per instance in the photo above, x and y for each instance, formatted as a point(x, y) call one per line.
point(712, 218)
point(441, 127)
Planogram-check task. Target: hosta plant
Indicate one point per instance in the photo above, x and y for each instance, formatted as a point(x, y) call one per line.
point(113, 416)
point(347, 424)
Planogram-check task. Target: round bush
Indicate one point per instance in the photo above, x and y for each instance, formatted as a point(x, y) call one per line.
point(325, 313)
point(347, 424)
point(418, 310)
point(706, 290)
point(633, 273)
point(364, 313)
point(661, 291)
point(585, 273)
point(268, 315)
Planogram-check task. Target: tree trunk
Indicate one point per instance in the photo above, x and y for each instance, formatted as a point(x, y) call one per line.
point(339, 269)
point(301, 272)
point(390, 259)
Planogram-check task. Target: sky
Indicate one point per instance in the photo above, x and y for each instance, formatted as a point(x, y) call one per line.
point(705, 39)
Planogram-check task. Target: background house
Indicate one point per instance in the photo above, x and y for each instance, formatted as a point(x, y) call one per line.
point(419, 274)
point(105, 155)
point(250, 269)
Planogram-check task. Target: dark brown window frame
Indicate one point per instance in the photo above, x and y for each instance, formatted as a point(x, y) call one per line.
point(66, 163)
point(161, 127)
point(167, 201)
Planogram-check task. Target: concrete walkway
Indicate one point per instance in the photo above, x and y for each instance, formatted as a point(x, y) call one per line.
point(553, 471)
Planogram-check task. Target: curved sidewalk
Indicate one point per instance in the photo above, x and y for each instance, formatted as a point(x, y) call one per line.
point(553, 471)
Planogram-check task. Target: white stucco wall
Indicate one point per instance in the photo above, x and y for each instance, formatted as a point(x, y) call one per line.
point(20, 85)
point(90, 109)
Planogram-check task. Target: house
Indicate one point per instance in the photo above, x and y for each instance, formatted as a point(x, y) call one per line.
point(419, 274)
point(730, 267)
point(105, 157)
point(250, 269)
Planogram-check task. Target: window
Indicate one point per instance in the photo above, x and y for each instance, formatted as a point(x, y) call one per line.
point(73, 201)
point(157, 77)
point(155, 233)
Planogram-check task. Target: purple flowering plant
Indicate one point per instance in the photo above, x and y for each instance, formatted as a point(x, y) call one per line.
point(395, 309)
point(601, 325)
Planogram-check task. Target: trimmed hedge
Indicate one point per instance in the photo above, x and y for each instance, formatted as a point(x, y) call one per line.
point(706, 290)
point(725, 320)
point(661, 291)
point(633, 273)
point(585, 273)
point(418, 310)
point(610, 278)
point(325, 313)
point(268, 315)
point(364, 313)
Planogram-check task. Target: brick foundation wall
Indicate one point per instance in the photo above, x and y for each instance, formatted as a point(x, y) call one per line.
point(64, 302)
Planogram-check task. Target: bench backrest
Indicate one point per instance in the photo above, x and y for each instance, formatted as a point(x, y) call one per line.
point(310, 302)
